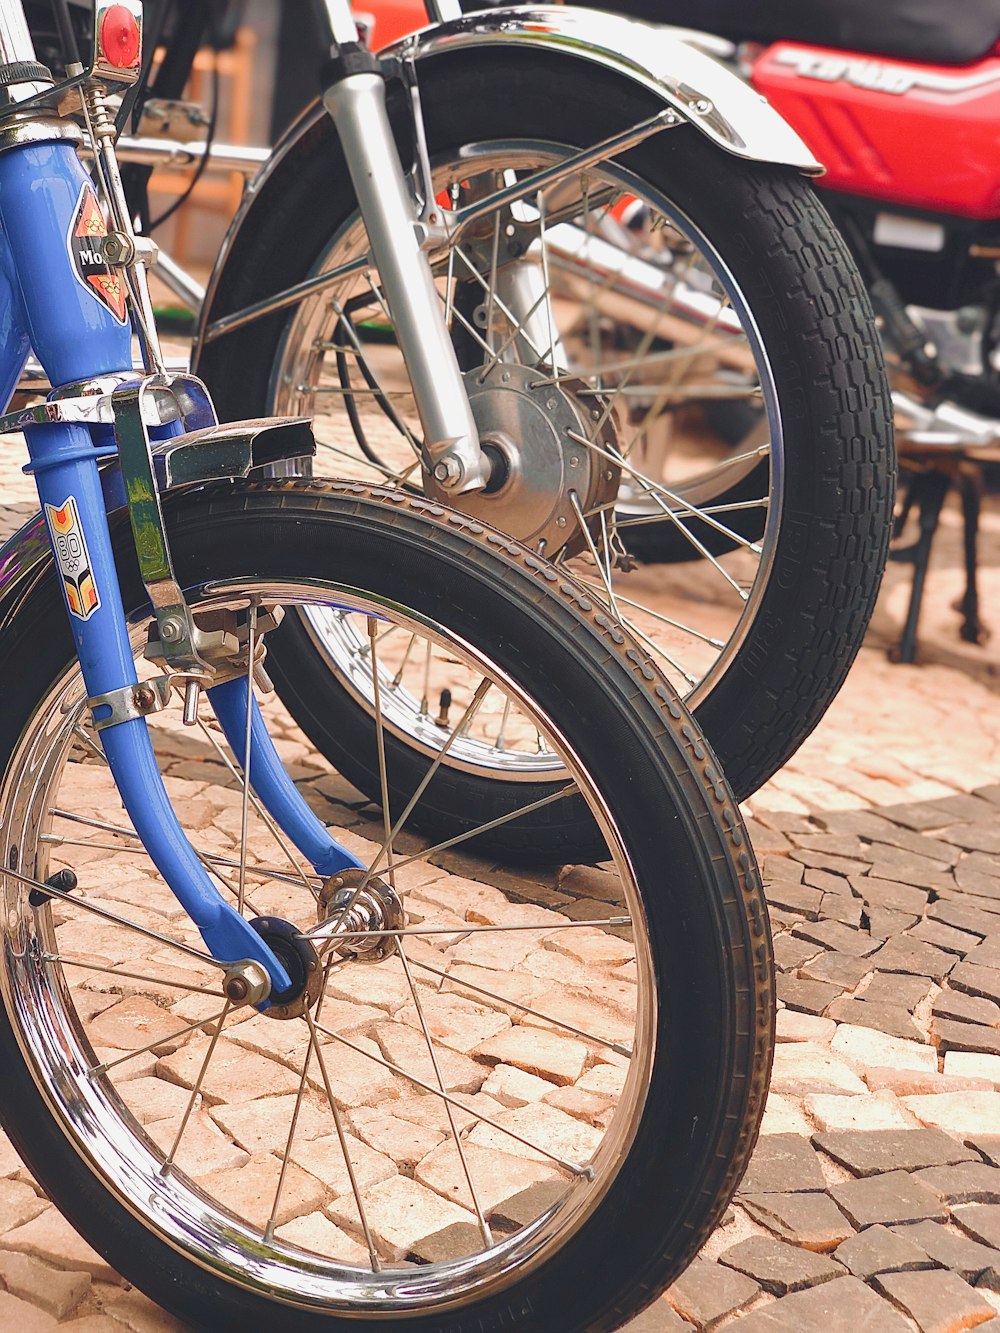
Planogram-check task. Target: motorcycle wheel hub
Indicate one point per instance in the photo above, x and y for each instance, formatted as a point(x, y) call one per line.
point(526, 426)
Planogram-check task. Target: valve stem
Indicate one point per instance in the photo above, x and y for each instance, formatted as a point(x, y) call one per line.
point(443, 706)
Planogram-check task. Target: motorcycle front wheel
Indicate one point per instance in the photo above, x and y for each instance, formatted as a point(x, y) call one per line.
point(670, 353)
point(530, 1111)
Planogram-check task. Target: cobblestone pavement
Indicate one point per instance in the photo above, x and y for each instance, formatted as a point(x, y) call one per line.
point(873, 1198)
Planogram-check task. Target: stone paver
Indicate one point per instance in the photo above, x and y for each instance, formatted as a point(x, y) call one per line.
point(778, 1267)
point(871, 1201)
point(811, 1220)
point(879, 1250)
point(843, 1306)
point(938, 1302)
point(894, 1197)
point(707, 1292)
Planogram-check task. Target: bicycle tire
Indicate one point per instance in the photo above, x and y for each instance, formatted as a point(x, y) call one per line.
point(694, 1097)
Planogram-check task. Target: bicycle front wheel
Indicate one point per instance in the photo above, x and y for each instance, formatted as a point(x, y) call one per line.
point(533, 1106)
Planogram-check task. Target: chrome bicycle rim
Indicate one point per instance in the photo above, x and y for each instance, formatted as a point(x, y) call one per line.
point(169, 1094)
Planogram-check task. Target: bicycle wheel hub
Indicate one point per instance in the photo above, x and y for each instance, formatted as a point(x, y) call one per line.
point(299, 959)
point(545, 474)
point(361, 908)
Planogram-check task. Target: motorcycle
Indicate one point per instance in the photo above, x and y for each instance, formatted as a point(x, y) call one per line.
point(666, 352)
point(646, 419)
point(863, 88)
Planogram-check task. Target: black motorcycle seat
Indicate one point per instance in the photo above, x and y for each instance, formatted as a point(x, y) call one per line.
point(931, 31)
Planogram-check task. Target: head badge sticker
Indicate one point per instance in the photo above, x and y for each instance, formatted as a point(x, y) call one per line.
point(86, 251)
point(73, 558)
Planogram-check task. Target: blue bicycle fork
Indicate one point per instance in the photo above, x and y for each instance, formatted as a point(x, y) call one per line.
point(77, 333)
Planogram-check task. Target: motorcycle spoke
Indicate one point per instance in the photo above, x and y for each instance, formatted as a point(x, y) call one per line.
point(603, 568)
point(665, 620)
point(736, 507)
point(546, 177)
point(399, 478)
point(546, 287)
point(653, 491)
point(498, 743)
point(489, 287)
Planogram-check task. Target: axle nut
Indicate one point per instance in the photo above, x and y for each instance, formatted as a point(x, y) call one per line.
point(448, 472)
point(236, 989)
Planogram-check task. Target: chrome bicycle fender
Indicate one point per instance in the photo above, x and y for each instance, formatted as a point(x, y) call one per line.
point(226, 452)
point(701, 90)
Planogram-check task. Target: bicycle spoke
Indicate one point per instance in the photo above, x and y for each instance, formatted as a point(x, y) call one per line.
point(338, 1123)
point(318, 932)
point(89, 743)
point(195, 1091)
point(260, 810)
point(474, 705)
point(466, 930)
point(87, 906)
point(90, 966)
point(575, 1167)
point(168, 1040)
point(527, 1008)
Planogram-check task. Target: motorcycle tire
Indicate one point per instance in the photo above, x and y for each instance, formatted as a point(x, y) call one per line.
point(826, 490)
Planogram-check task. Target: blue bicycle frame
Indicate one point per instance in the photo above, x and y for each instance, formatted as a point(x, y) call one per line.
point(79, 325)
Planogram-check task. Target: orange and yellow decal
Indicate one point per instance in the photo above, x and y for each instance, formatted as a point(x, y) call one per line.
point(72, 558)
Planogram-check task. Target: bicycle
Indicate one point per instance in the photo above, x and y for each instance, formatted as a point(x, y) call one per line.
point(222, 941)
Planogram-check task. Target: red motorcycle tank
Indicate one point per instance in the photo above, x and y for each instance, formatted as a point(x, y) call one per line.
point(922, 136)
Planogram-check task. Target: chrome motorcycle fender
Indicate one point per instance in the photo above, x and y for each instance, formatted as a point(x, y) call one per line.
point(662, 59)
point(225, 452)
point(697, 88)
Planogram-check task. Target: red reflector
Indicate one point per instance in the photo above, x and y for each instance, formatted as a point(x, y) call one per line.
point(120, 39)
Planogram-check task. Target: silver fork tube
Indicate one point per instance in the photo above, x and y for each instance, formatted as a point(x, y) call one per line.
point(357, 105)
point(15, 39)
point(16, 45)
